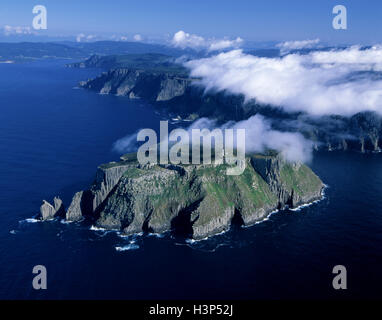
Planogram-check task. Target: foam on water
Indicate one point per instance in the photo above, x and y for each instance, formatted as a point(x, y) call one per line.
point(128, 247)
point(30, 220)
point(94, 228)
point(63, 221)
point(157, 235)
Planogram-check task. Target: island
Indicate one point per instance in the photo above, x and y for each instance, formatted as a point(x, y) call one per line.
point(196, 201)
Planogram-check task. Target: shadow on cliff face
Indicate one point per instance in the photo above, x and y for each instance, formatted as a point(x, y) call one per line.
point(86, 204)
point(181, 225)
point(237, 221)
point(145, 227)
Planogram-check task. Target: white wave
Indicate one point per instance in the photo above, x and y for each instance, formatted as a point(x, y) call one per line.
point(12, 232)
point(122, 235)
point(305, 205)
point(30, 220)
point(94, 228)
point(129, 236)
point(63, 221)
point(130, 246)
point(193, 241)
point(266, 218)
point(157, 235)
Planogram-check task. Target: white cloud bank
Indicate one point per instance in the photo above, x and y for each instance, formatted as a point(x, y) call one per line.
point(138, 37)
point(259, 137)
point(296, 45)
point(17, 30)
point(185, 40)
point(318, 83)
point(86, 38)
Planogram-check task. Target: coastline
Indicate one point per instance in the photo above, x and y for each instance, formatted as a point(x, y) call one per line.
point(266, 218)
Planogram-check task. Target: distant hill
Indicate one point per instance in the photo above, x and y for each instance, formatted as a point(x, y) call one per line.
point(146, 61)
point(125, 47)
point(24, 51)
point(34, 50)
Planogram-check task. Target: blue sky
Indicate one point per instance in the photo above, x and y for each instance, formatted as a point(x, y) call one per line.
point(271, 20)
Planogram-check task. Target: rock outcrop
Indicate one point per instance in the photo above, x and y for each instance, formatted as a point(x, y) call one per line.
point(193, 200)
point(74, 212)
point(48, 211)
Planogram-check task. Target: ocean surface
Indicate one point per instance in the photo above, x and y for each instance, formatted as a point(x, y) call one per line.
point(52, 138)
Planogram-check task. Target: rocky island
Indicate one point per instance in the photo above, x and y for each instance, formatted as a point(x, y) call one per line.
point(196, 201)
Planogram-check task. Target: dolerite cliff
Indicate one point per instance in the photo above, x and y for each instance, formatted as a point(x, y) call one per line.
point(48, 211)
point(180, 95)
point(149, 85)
point(194, 200)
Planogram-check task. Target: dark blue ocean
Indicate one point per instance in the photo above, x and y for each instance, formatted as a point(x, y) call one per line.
point(53, 137)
